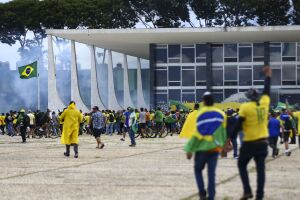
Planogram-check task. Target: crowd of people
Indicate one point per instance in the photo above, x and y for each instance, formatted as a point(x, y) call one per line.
point(211, 131)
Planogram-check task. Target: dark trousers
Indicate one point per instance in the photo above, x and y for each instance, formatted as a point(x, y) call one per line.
point(201, 159)
point(273, 144)
point(131, 135)
point(235, 147)
point(23, 133)
point(258, 151)
point(75, 149)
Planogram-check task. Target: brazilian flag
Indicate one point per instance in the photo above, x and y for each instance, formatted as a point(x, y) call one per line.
point(28, 71)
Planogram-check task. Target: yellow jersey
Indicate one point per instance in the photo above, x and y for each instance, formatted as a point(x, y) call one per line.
point(255, 124)
point(297, 115)
point(87, 120)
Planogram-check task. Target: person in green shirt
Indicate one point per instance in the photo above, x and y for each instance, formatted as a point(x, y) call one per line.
point(158, 119)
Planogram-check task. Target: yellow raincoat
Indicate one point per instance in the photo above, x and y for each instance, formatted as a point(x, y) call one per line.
point(72, 119)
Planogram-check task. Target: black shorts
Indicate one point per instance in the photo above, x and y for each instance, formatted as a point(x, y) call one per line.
point(142, 125)
point(97, 132)
point(286, 136)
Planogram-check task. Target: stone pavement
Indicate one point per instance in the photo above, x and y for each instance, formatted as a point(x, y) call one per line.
point(155, 169)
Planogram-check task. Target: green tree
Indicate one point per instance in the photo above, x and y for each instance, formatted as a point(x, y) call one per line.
point(296, 12)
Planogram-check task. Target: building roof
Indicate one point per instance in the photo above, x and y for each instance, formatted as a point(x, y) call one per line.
point(136, 42)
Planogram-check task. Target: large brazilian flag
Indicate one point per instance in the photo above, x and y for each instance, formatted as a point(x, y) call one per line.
point(28, 71)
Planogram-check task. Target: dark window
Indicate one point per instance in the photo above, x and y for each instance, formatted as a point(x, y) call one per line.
point(200, 50)
point(217, 53)
point(245, 77)
point(188, 55)
point(175, 94)
point(276, 77)
point(188, 77)
point(289, 49)
point(230, 72)
point(230, 83)
point(174, 73)
point(298, 53)
point(161, 98)
point(230, 59)
point(288, 72)
point(174, 83)
point(258, 49)
point(217, 77)
point(258, 72)
point(161, 55)
point(174, 51)
point(229, 92)
point(199, 94)
point(201, 73)
point(188, 97)
point(275, 54)
point(230, 50)
point(161, 78)
point(298, 76)
point(245, 54)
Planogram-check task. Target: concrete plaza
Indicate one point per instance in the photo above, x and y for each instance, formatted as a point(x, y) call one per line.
point(155, 169)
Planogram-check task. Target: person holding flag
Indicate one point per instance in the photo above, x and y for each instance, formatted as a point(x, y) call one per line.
point(206, 130)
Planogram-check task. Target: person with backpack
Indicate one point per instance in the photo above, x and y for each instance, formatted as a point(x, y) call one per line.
point(287, 126)
point(23, 121)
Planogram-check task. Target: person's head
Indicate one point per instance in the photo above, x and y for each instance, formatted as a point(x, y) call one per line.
point(252, 94)
point(72, 102)
point(53, 113)
point(273, 114)
point(229, 112)
point(22, 111)
point(158, 108)
point(283, 110)
point(131, 110)
point(95, 109)
point(142, 109)
point(196, 106)
point(208, 99)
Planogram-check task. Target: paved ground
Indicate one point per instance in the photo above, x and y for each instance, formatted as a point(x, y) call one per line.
point(155, 169)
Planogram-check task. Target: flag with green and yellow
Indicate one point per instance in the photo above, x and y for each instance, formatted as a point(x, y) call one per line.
point(28, 71)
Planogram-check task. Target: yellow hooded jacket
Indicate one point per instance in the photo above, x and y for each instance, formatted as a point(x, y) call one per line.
point(72, 119)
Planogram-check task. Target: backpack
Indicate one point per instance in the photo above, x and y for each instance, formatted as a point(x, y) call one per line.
point(111, 118)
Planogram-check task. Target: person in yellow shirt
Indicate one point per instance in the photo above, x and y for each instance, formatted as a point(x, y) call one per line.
point(253, 120)
point(2, 123)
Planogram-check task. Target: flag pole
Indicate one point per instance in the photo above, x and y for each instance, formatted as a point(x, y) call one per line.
point(38, 88)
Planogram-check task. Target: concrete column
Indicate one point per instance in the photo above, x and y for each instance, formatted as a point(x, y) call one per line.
point(140, 94)
point(54, 101)
point(75, 93)
point(95, 96)
point(127, 97)
point(112, 99)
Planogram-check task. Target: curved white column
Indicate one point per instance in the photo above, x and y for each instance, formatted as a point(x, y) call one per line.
point(112, 99)
point(95, 96)
point(127, 98)
point(75, 93)
point(140, 94)
point(54, 101)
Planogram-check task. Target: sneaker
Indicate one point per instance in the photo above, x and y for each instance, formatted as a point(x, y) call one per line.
point(247, 196)
point(122, 139)
point(132, 145)
point(66, 154)
point(236, 157)
point(102, 146)
point(288, 153)
point(76, 156)
point(277, 152)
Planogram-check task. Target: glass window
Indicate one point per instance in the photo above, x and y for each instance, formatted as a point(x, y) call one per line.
point(174, 51)
point(201, 73)
point(174, 73)
point(230, 50)
point(217, 77)
point(217, 53)
point(298, 76)
point(258, 49)
point(188, 77)
point(245, 54)
point(199, 94)
point(276, 77)
point(200, 50)
point(230, 72)
point(175, 94)
point(229, 92)
point(275, 54)
point(161, 55)
point(161, 98)
point(258, 72)
point(188, 97)
point(288, 72)
point(289, 49)
point(161, 78)
point(298, 53)
point(188, 55)
point(118, 74)
point(245, 77)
